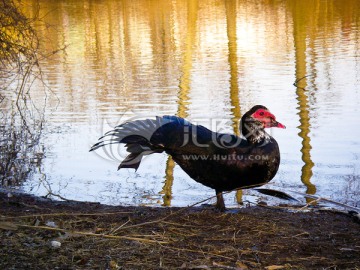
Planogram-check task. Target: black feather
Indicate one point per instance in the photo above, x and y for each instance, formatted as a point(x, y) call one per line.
point(132, 161)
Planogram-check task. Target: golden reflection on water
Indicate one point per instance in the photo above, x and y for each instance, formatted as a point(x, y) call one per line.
point(148, 55)
point(300, 29)
point(231, 12)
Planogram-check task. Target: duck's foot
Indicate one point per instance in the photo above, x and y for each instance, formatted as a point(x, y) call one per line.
point(220, 204)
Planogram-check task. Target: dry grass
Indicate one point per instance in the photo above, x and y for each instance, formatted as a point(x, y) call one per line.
point(94, 236)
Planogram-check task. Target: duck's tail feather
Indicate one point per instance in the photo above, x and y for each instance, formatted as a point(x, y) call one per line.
point(142, 137)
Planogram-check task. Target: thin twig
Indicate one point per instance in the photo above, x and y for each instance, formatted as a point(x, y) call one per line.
point(50, 193)
point(118, 228)
point(298, 80)
point(308, 204)
point(318, 198)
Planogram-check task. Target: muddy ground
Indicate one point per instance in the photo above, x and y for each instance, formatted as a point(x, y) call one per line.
point(38, 233)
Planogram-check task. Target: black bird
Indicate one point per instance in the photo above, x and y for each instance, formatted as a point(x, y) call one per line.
point(220, 161)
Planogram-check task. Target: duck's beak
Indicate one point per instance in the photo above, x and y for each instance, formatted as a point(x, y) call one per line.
point(275, 123)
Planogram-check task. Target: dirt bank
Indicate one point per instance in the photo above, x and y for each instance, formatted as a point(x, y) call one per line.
point(39, 233)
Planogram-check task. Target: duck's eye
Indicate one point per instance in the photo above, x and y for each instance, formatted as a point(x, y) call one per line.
point(261, 113)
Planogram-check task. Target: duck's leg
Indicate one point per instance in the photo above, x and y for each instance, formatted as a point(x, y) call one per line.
point(220, 204)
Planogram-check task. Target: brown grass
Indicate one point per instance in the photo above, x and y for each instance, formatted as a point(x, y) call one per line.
point(95, 236)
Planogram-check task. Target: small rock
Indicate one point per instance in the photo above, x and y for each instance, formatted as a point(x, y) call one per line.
point(51, 224)
point(55, 244)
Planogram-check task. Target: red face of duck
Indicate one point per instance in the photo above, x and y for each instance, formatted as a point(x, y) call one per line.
point(266, 118)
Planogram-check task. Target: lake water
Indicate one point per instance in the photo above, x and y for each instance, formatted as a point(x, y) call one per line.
point(208, 61)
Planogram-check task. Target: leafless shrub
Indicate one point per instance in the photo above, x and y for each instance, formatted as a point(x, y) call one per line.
point(21, 119)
